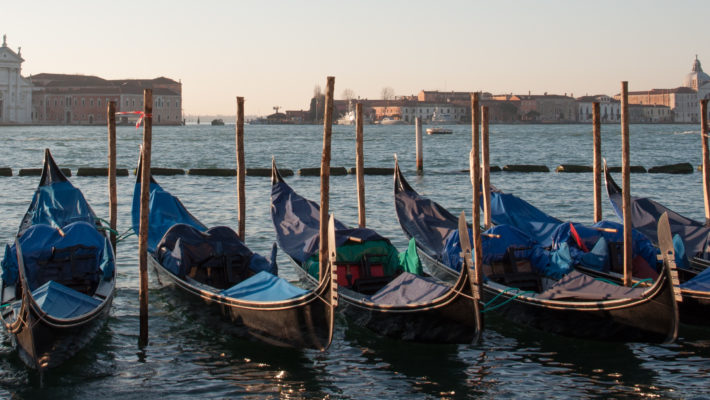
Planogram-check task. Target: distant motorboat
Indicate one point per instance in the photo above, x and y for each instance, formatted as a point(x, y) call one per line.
point(390, 121)
point(217, 121)
point(438, 131)
point(442, 119)
point(347, 119)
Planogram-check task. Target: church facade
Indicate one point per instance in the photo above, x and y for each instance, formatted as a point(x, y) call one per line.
point(15, 91)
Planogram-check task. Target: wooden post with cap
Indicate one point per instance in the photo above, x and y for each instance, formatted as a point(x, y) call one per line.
point(626, 189)
point(143, 227)
point(241, 170)
point(485, 169)
point(475, 169)
point(597, 167)
point(418, 144)
point(112, 194)
point(706, 158)
point(359, 165)
point(325, 176)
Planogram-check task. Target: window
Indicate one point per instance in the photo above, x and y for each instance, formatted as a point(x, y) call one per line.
point(91, 102)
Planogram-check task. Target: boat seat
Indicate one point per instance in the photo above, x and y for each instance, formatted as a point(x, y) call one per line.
point(365, 276)
point(616, 257)
point(514, 271)
point(74, 267)
point(221, 271)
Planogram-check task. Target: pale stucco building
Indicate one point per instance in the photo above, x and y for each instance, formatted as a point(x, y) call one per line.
point(15, 91)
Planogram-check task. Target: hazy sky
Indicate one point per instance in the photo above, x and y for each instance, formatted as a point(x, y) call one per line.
point(275, 52)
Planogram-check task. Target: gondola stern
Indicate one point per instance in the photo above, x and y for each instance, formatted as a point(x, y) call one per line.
point(275, 174)
point(665, 244)
point(50, 171)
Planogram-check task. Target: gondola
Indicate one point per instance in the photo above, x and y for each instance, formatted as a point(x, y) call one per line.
point(376, 290)
point(215, 269)
point(520, 288)
point(59, 277)
point(690, 241)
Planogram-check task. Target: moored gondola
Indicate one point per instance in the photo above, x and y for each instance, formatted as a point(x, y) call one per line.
point(690, 239)
point(376, 289)
point(59, 277)
point(216, 270)
point(519, 287)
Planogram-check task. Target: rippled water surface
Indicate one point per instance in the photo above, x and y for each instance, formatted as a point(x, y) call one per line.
point(191, 355)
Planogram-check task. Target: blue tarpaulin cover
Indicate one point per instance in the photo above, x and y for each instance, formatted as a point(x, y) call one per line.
point(700, 282)
point(512, 210)
point(551, 232)
point(166, 210)
point(646, 212)
point(407, 289)
point(59, 204)
point(41, 245)
point(264, 287)
point(297, 224)
point(578, 286)
point(184, 246)
point(60, 301)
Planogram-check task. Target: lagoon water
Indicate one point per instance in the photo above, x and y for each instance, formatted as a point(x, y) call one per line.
point(191, 355)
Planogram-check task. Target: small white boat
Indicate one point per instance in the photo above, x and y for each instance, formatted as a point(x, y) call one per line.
point(438, 131)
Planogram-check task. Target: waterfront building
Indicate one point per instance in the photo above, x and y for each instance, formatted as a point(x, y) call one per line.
point(15, 91)
point(83, 99)
point(548, 108)
point(649, 114)
point(609, 108)
point(682, 102)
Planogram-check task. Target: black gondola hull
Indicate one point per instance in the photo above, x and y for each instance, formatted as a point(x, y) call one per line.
point(305, 322)
point(448, 320)
point(644, 320)
point(45, 346)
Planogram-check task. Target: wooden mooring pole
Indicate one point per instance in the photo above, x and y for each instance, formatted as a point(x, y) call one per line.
point(706, 158)
point(418, 143)
point(112, 195)
point(626, 179)
point(597, 167)
point(325, 177)
point(143, 227)
point(474, 165)
point(360, 166)
point(241, 170)
point(485, 169)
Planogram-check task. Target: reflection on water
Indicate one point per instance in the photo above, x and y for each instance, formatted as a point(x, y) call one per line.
point(192, 354)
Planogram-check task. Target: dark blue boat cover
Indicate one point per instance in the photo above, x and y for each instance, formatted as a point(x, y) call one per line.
point(553, 264)
point(297, 224)
point(408, 289)
point(264, 287)
point(166, 210)
point(60, 301)
point(551, 232)
point(78, 252)
point(422, 219)
point(184, 246)
point(700, 282)
point(578, 286)
point(58, 205)
point(512, 210)
point(645, 214)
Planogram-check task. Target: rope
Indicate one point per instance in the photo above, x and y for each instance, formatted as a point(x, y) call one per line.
point(119, 236)
point(647, 280)
point(607, 281)
point(128, 233)
point(486, 307)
